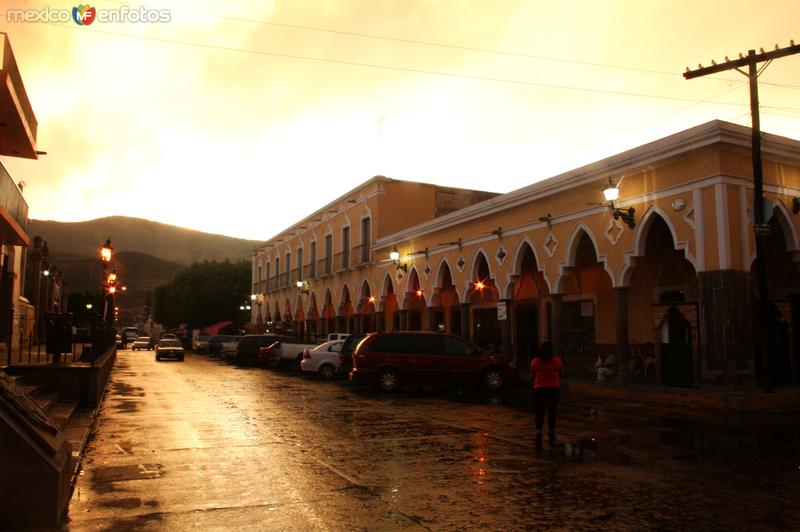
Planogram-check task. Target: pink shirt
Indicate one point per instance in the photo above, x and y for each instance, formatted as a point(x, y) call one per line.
point(546, 373)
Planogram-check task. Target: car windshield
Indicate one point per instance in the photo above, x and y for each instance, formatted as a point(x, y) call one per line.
point(169, 343)
point(143, 339)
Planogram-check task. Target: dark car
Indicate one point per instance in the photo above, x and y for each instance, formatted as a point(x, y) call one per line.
point(346, 354)
point(215, 343)
point(248, 347)
point(392, 359)
point(169, 349)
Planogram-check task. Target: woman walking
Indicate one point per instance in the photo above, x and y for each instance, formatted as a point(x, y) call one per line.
point(546, 370)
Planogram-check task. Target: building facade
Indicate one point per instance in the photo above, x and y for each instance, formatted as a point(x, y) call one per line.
point(17, 139)
point(663, 272)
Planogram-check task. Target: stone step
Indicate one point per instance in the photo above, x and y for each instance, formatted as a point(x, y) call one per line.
point(61, 411)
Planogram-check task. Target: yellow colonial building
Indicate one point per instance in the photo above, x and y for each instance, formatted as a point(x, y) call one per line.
point(663, 268)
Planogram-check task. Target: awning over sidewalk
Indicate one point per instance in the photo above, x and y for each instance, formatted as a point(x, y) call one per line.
point(215, 328)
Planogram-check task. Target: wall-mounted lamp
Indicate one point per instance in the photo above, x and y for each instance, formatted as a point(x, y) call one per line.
point(371, 299)
point(394, 255)
point(303, 286)
point(795, 205)
point(46, 272)
point(479, 285)
point(611, 194)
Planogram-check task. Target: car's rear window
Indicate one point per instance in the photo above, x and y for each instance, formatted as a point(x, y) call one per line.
point(169, 343)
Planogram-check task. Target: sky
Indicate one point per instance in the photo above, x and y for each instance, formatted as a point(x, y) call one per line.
point(242, 117)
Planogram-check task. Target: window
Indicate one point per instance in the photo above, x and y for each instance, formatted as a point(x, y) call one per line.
point(277, 273)
point(258, 279)
point(365, 240)
point(300, 264)
point(345, 248)
point(288, 269)
point(267, 278)
point(456, 346)
point(312, 263)
point(328, 252)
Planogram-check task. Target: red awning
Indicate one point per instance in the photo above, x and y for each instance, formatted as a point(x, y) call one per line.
point(214, 329)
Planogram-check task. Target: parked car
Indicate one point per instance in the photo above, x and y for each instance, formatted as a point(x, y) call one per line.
point(200, 345)
point(228, 348)
point(169, 336)
point(129, 334)
point(119, 340)
point(323, 359)
point(286, 353)
point(247, 349)
point(392, 359)
point(336, 336)
point(142, 342)
point(346, 354)
point(215, 344)
point(169, 348)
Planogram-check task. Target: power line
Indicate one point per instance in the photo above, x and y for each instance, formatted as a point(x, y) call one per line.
point(442, 45)
point(396, 68)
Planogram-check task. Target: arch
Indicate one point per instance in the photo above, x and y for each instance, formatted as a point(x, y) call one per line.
point(785, 219)
point(344, 296)
point(474, 275)
point(516, 265)
point(313, 311)
point(640, 237)
point(572, 249)
point(441, 270)
point(413, 284)
point(288, 310)
point(366, 292)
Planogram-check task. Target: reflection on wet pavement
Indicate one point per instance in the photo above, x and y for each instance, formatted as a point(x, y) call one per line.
point(204, 444)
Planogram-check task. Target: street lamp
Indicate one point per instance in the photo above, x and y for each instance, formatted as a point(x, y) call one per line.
point(105, 251)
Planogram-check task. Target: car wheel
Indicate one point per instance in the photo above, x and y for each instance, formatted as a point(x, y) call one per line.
point(389, 380)
point(158, 358)
point(274, 362)
point(327, 371)
point(298, 363)
point(180, 358)
point(493, 379)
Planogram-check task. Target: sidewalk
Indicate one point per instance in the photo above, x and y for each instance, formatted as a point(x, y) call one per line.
point(707, 398)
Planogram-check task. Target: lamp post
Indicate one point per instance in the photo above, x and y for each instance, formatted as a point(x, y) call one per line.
point(108, 281)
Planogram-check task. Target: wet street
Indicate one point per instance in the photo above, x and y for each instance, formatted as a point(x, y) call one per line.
point(204, 444)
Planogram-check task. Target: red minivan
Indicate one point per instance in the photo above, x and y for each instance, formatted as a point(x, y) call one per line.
point(392, 359)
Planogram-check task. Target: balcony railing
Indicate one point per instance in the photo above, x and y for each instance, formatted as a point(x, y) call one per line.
point(11, 198)
point(324, 266)
point(362, 255)
point(311, 270)
point(283, 282)
point(341, 261)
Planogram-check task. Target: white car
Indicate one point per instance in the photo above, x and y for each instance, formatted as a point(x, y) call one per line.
point(323, 359)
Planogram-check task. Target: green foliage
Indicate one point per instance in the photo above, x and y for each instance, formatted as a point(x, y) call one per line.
point(204, 293)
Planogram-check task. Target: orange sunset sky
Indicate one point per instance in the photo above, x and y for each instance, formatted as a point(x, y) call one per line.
point(241, 117)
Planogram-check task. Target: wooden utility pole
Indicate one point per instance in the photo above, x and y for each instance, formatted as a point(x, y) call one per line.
point(760, 227)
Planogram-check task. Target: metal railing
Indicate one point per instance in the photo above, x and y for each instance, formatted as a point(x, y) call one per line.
point(324, 266)
point(311, 270)
point(341, 261)
point(11, 198)
point(362, 254)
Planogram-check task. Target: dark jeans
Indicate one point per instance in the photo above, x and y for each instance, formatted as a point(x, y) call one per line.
point(545, 399)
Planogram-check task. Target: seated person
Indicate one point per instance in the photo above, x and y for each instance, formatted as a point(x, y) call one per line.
point(649, 363)
point(606, 367)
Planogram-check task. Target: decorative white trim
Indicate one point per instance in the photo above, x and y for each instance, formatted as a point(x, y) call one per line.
point(613, 231)
point(723, 228)
point(501, 251)
point(571, 250)
point(689, 217)
point(462, 261)
point(640, 243)
point(551, 239)
point(699, 230)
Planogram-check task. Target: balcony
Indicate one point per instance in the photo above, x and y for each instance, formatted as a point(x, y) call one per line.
point(362, 255)
point(324, 266)
point(17, 122)
point(13, 212)
point(341, 261)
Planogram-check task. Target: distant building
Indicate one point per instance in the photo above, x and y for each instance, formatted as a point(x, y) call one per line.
point(666, 268)
point(17, 139)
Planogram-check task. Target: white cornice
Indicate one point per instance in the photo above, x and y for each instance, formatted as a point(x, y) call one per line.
point(714, 133)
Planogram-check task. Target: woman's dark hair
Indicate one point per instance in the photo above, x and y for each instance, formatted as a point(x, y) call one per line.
point(545, 351)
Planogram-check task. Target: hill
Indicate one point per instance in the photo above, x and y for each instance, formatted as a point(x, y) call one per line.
point(146, 254)
point(167, 242)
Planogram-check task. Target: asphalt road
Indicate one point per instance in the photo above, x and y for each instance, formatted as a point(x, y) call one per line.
point(204, 444)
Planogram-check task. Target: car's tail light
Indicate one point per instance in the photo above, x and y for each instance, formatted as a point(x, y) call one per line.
point(306, 354)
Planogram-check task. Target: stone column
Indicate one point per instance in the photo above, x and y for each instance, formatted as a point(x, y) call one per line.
point(380, 321)
point(465, 321)
point(556, 317)
point(359, 326)
point(403, 320)
point(505, 329)
point(431, 319)
point(621, 326)
point(339, 324)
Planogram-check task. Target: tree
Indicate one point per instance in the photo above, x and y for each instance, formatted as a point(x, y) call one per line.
point(204, 293)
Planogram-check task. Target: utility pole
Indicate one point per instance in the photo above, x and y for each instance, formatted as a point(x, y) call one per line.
point(760, 228)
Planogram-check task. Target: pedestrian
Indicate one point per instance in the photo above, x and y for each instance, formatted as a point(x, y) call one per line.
point(546, 370)
point(606, 367)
